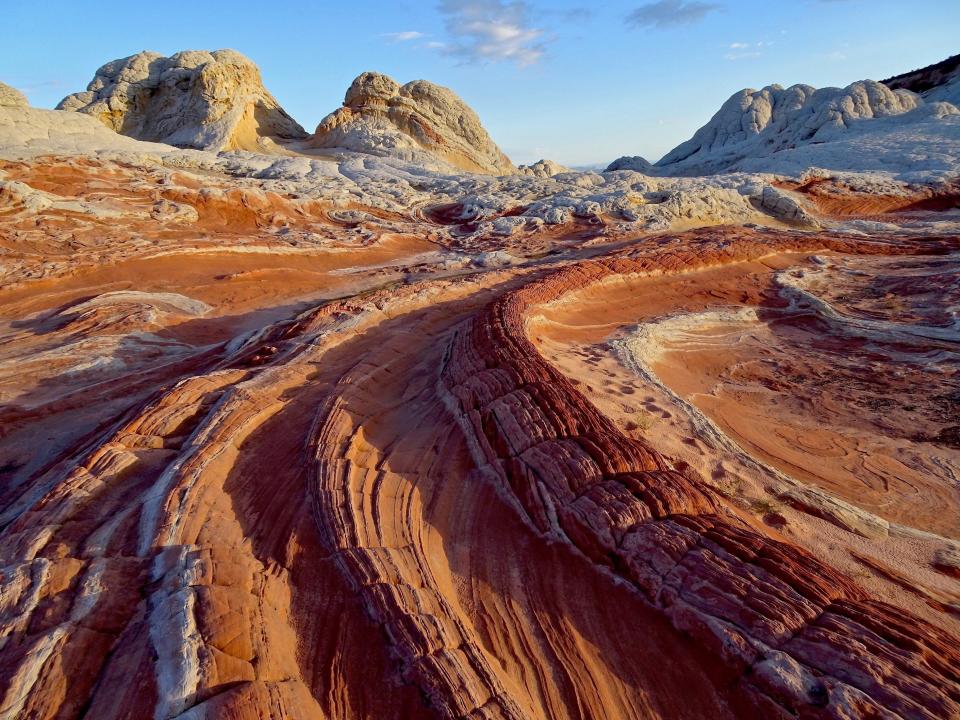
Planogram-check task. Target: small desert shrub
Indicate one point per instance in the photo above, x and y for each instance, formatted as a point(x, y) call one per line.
point(765, 506)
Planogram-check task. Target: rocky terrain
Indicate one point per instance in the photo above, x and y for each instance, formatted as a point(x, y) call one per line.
point(371, 424)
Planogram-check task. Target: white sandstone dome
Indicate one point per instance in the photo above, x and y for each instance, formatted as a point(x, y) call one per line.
point(413, 122)
point(195, 99)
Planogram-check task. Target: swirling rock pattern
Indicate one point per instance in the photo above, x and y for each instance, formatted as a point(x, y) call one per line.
point(278, 440)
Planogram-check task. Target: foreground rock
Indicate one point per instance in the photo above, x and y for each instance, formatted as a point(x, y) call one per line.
point(410, 122)
point(193, 99)
point(280, 437)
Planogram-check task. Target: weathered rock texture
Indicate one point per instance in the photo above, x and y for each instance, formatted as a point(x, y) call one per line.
point(543, 169)
point(766, 129)
point(11, 97)
point(381, 117)
point(193, 99)
point(279, 439)
point(800, 639)
point(630, 162)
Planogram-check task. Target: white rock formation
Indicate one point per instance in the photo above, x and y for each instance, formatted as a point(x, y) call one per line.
point(948, 92)
point(11, 97)
point(194, 99)
point(412, 122)
point(27, 132)
point(630, 162)
point(772, 129)
point(543, 169)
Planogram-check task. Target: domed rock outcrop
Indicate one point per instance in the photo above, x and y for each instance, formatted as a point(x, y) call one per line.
point(194, 99)
point(543, 169)
point(11, 97)
point(630, 162)
point(381, 117)
point(758, 124)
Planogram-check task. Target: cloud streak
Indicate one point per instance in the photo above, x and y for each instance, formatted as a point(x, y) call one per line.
point(491, 31)
point(405, 36)
point(670, 13)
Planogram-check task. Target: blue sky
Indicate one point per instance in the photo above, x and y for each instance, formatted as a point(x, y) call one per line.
point(574, 82)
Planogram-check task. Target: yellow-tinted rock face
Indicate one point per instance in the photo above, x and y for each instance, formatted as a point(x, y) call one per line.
point(382, 117)
point(196, 99)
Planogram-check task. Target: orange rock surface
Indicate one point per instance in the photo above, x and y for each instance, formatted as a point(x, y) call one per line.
point(345, 477)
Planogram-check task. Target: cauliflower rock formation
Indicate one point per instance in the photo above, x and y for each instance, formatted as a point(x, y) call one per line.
point(543, 169)
point(759, 124)
point(194, 99)
point(11, 97)
point(416, 122)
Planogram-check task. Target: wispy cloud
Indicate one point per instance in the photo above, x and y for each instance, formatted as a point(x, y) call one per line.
point(40, 85)
point(491, 31)
point(670, 13)
point(746, 50)
point(405, 36)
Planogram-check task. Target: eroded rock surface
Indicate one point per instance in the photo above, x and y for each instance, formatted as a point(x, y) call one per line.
point(194, 99)
point(381, 117)
point(11, 97)
point(866, 125)
point(286, 437)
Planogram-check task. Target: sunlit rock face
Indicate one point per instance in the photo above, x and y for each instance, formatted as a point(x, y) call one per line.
point(194, 99)
point(11, 97)
point(864, 126)
point(381, 117)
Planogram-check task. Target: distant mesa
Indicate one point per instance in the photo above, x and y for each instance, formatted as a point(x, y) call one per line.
point(193, 99)
point(11, 97)
point(381, 117)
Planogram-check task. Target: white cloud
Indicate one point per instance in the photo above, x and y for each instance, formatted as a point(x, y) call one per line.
point(491, 30)
point(404, 36)
point(667, 13)
point(744, 50)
